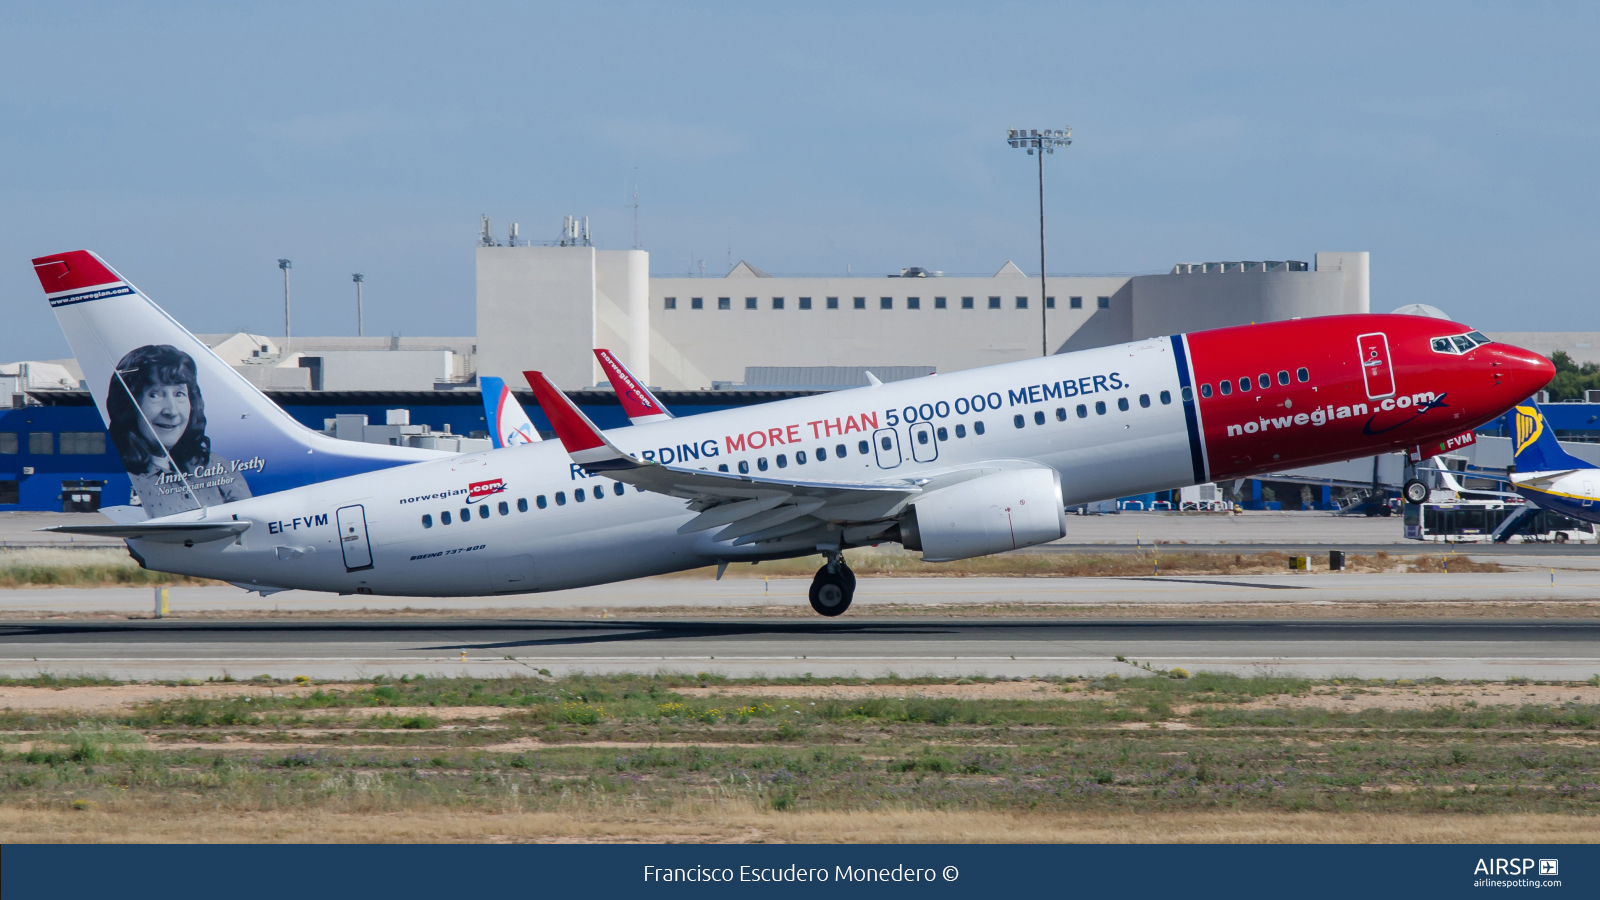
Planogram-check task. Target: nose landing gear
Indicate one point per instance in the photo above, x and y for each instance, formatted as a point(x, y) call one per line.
point(833, 587)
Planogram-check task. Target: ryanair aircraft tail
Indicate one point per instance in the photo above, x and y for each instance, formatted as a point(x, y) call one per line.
point(509, 424)
point(1536, 447)
point(191, 431)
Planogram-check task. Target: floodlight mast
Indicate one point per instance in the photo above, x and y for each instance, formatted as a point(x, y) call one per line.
point(1038, 142)
point(285, 265)
point(358, 279)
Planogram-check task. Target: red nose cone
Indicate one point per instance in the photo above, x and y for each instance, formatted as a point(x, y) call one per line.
point(1527, 371)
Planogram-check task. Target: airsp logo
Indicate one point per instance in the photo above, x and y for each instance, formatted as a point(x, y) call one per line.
point(1515, 867)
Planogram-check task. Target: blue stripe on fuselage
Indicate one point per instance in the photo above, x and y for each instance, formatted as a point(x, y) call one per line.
point(1190, 417)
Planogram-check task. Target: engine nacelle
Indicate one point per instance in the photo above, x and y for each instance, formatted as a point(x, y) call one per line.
point(986, 515)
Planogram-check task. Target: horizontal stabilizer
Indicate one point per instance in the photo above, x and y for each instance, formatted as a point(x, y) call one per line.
point(161, 532)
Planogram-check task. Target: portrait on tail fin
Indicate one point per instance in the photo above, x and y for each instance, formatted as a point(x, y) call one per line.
point(158, 425)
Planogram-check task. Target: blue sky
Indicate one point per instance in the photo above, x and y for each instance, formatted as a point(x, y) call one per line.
point(194, 144)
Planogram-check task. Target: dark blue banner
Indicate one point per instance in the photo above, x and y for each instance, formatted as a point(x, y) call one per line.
point(1185, 871)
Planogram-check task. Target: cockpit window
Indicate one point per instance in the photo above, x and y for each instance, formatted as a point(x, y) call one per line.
point(1443, 345)
point(1478, 336)
point(1463, 343)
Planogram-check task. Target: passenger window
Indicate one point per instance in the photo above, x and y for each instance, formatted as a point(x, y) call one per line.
point(862, 447)
point(1244, 384)
point(522, 503)
point(839, 451)
point(783, 460)
point(444, 517)
point(1166, 398)
point(578, 495)
point(799, 457)
point(887, 443)
point(466, 514)
point(600, 492)
point(1099, 407)
point(1015, 420)
point(977, 427)
point(744, 467)
point(942, 434)
point(427, 521)
point(1038, 417)
point(1061, 414)
point(1226, 387)
point(1205, 390)
point(922, 436)
point(483, 511)
point(961, 431)
point(722, 467)
point(1264, 380)
point(541, 501)
point(561, 498)
point(1188, 394)
point(1302, 374)
point(1144, 401)
point(1463, 343)
point(1283, 376)
point(822, 454)
point(1083, 411)
point(761, 463)
point(1122, 403)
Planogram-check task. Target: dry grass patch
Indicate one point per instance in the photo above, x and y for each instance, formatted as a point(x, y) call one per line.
point(738, 823)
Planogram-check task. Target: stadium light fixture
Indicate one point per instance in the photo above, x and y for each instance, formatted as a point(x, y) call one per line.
point(1038, 143)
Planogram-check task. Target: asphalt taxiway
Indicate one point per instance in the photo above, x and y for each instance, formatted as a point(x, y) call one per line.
point(860, 645)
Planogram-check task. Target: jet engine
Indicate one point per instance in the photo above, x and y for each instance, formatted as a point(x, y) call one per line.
point(986, 515)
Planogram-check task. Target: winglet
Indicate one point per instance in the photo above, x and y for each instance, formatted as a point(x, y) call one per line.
point(638, 403)
point(585, 443)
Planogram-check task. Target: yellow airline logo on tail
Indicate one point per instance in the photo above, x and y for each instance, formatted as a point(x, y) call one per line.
point(1529, 426)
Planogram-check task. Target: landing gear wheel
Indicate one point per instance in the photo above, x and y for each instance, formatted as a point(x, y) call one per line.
point(1415, 491)
point(832, 592)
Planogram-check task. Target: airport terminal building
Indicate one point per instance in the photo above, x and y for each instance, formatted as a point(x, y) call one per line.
point(547, 307)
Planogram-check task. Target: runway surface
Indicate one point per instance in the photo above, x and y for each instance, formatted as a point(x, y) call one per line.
point(171, 649)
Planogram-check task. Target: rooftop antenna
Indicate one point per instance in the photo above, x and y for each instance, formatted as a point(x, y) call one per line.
point(568, 231)
point(702, 268)
point(586, 241)
point(512, 240)
point(485, 236)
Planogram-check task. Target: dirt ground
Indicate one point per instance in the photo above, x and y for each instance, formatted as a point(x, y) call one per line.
point(731, 823)
point(1352, 696)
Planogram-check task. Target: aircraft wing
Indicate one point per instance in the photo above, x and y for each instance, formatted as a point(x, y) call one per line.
point(753, 508)
point(163, 532)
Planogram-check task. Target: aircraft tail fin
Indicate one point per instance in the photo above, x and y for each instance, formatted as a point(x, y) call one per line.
point(1537, 449)
point(192, 432)
point(509, 424)
point(638, 403)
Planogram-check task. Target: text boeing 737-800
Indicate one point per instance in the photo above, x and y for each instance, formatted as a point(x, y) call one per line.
point(955, 465)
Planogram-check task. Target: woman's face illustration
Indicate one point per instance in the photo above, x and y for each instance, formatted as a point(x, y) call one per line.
point(166, 412)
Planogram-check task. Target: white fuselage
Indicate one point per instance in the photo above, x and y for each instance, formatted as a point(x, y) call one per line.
point(321, 537)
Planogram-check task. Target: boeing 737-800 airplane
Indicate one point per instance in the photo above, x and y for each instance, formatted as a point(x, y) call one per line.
point(955, 465)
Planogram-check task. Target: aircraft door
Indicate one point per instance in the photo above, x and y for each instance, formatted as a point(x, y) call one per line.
point(1376, 368)
point(353, 538)
point(923, 446)
point(886, 444)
